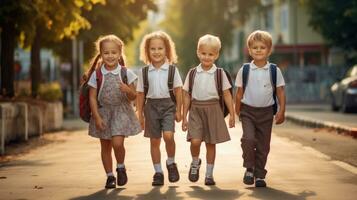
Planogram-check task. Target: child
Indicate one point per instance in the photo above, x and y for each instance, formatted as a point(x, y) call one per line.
point(206, 121)
point(155, 102)
point(254, 106)
point(112, 118)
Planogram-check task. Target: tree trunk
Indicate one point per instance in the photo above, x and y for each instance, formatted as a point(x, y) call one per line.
point(8, 41)
point(36, 64)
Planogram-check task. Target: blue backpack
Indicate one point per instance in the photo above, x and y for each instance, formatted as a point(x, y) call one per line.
point(272, 69)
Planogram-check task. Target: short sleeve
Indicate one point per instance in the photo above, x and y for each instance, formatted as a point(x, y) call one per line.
point(177, 79)
point(239, 81)
point(93, 80)
point(225, 84)
point(131, 76)
point(140, 85)
point(185, 86)
point(279, 78)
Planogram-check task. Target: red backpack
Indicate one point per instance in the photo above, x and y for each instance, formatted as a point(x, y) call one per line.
point(84, 107)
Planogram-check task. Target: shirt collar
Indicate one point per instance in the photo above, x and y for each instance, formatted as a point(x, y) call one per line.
point(115, 71)
point(164, 66)
point(254, 67)
point(211, 71)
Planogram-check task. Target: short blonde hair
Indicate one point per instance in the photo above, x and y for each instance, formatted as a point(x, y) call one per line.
point(261, 36)
point(169, 46)
point(209, 40)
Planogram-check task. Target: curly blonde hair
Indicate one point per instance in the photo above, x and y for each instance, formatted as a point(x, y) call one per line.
point(169, 46)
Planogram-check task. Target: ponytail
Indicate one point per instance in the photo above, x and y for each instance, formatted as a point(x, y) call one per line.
point(121, 60)
point(86, 76)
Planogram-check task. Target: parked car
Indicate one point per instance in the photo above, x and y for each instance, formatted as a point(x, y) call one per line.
point(344, 92)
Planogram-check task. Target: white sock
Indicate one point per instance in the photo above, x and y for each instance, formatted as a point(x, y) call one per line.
point(209, 170)
point(110, 174)
point(120, 165)
point(158, 168)
point(195, 161)
point(170, 160)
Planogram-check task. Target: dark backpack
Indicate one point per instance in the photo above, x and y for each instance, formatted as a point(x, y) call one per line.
point(84, 107)
point(218, 79)
point(170, 81)
point(272, 70)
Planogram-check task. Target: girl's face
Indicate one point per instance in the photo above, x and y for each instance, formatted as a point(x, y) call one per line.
point(110, 53)
point(157, 51)
point(259, 51)
point(207, 55)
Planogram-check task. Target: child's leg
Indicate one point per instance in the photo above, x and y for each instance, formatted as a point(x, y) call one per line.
point(248, 141)
point(155, 153)
point(119, 149)
point(170, 146)
point(263, 147)
point(106, 153)
point(195, 148)
point(210, 157)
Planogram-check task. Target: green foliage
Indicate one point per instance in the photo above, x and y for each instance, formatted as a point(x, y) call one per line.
point(336, 21)
point(50, 92)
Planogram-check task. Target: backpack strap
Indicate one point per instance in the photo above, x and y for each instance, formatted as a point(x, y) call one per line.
point(145, 72)
point(99, 79)
point(191, 80)
point(124, 74)
point(170, 82)
point(273, 77)
point(219, 86)
point(245, 74)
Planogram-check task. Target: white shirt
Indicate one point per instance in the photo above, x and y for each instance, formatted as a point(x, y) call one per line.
point(93, 78)
point(259, 89)
point(204, 85)
point(157, 78)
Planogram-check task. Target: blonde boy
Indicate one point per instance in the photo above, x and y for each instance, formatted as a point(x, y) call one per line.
point(254, 106)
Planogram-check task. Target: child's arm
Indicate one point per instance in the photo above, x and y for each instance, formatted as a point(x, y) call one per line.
point(280, 115)
point(178, 96)
point(186, 106)
point(129, 90)
point(239, 97)
point(229, 102)
point(94, 109)
point(139, 106)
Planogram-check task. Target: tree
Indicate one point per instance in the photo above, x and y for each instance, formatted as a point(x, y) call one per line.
point(336, 21)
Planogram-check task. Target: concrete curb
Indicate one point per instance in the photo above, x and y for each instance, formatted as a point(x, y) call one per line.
point(313, 123)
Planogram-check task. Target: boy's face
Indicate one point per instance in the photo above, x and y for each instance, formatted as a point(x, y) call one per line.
point(157, 51)
point(259, 51)
point(110, 53)
point(207, 55)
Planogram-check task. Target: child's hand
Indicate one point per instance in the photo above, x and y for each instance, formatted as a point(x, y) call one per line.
point(279, 117)
point(232, 121)
point(184, 124)
point(178, 116)
point(99, 124)
point(124, 87)
point(141, 120)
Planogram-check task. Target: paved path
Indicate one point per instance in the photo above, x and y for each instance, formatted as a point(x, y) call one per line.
point(70, 168)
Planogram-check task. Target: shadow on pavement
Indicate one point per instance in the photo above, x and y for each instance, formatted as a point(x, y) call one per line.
point(274, 194)
point(107, 194)
point(155, 193)
point(213, 192)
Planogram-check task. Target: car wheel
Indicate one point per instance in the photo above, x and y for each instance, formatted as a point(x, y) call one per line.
point(334, 107)
point(344, 107)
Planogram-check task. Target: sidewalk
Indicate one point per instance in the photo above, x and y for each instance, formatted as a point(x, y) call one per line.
point(71, 169)
point(321, 116)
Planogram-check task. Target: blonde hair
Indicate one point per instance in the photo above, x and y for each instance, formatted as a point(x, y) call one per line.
point(96, 61)
point(209, 40)
point(261, 36)
point(169, 47)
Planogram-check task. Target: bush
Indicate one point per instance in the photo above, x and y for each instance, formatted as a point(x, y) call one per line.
point(50, 91)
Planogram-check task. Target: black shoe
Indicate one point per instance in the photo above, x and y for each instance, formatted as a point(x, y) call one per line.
point(248, 177)
point(209, 181)
point(259, 182)
point(194, 173)
point(174, 176)
point(110, 182)
point(158, 179)
point(122, 178)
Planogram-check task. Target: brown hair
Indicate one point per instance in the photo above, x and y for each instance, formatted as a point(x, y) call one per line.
point(169, 46)
point(96, 61)
point(262, 36)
